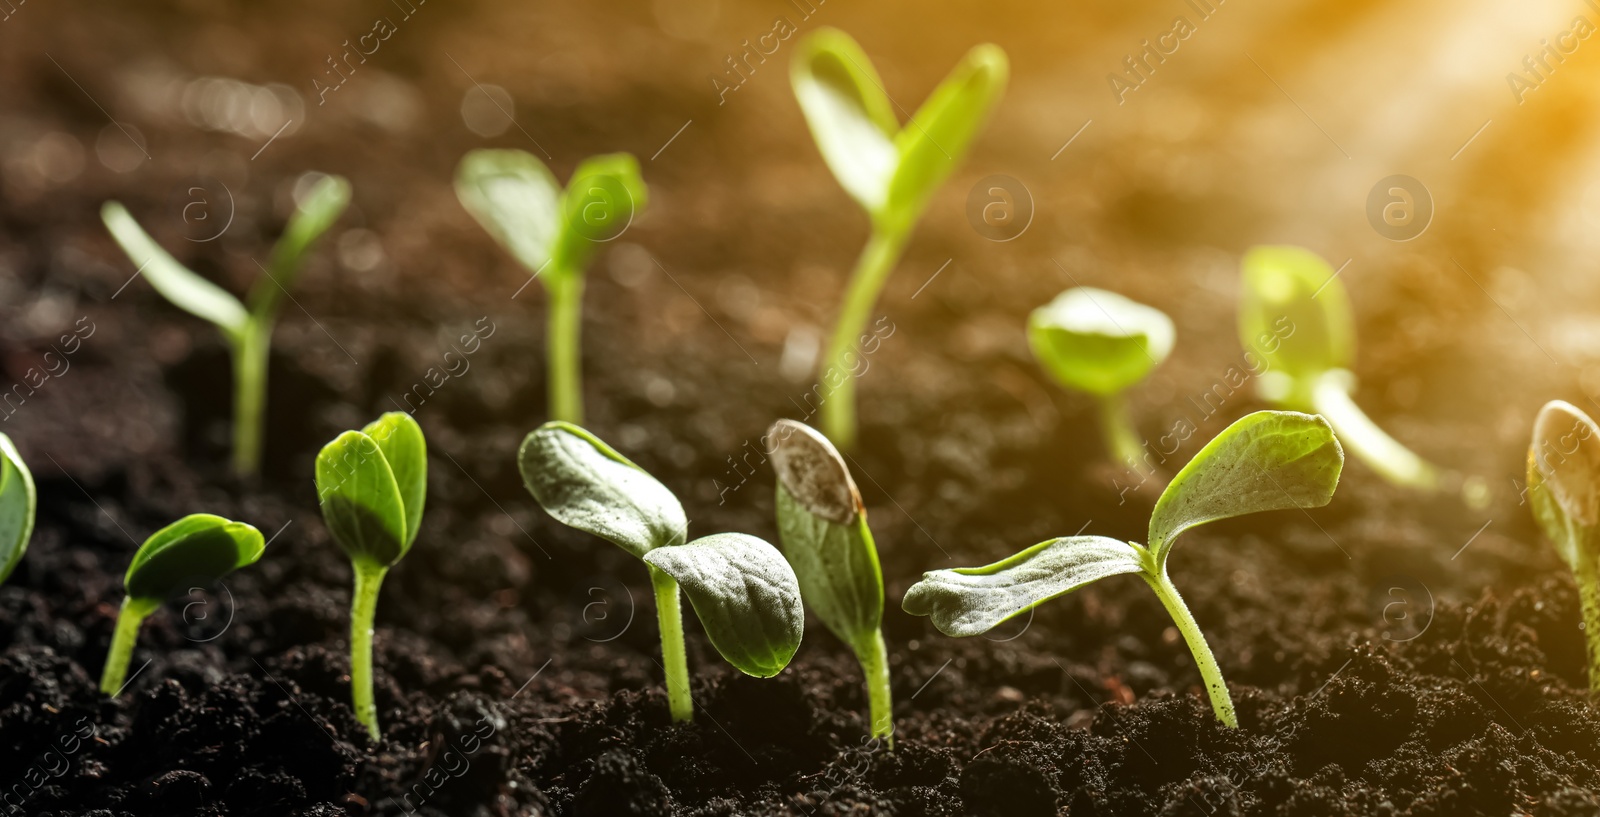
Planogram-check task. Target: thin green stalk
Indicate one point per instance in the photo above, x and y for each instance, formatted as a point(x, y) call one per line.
point(369, 579)
point(874, 658)
point(872, 270)
point(562, 332)
point(1588, 576)
point(1122, 439)
point(1210, 673)
point(250, 355)
point(1371, 444)
point(674, 658)
point(131, 616)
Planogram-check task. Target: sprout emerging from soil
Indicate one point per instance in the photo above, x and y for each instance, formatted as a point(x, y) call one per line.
point(195, 549)
point(371, 485)
point(822, 527)
point(553, 232)
point(18, 503)
point(744, 593)
point(889, 170)
point(1269, 460)
point(1564, 489)
point(247, 329)
point(1293, 311)
point(1099, 342)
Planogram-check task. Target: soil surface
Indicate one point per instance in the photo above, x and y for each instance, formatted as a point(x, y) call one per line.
point(1390, 654)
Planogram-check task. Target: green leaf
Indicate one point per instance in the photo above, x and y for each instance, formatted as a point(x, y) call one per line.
point(1564, 479)
point(197, 548)
point(1294, 313)
point(970, 601)
point(18, 504)
point(1098, 342)
point(823, 532)
point(174, 281)
point(516, 199)
point(1266, 461)
point(849, 114)
point(601, 200)
point(939, 134)
point(400, 439)
point(744, 594)
point(323, 205)
point(361, 501)
point(587, 485)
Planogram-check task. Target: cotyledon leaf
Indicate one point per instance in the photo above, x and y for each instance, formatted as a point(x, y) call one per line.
point(516, 199)
point(400, 439)
point(1564, 477)
point(361, 501)
point(745, 596)
point(942, 130)
point(587, 485)
point(18, 503)
point(198, 547)
point(173, 280)
point(970, 601)
point(849, 114)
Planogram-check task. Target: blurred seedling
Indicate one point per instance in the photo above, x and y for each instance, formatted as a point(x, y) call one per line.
point(889, 170)
point(18, 504)
point(743, 591)
point(822, 529)
point(371, 485)
point(247, 327)
point(198, 548)
point(1564, 490)
point(553, 232)
point(1102, 344)
point(1269, 460)
point(1295, 314)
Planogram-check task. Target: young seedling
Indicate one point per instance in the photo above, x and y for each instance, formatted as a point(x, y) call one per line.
point(197, 548)
point(1564, 490)
point(371, 485)
point(1293, 312)
point(889, 170)
point(247, 329)
point(1269, 460)
point(1101, 343)
point(741, 588)
point(553, 232)
point(17, 507)
point(822, 528)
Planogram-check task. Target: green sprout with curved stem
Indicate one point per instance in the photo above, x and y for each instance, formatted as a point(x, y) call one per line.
point(1101, 343)
point(1269, 460)
point(18, 505)
point(247, 328)
point(822, 527)
point(890, 171)
point(197, 548)
point(553, 232)
point(1564, 490)
point(371, 485)
point(1294, 312)
point(742, 590)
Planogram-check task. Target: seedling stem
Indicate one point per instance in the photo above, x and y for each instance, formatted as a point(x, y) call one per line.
point(674, 659)
point(874, 658)
point(132, 615)
point(1210, 673)
point(564, 329)
point(369, 579)
point(250, 354)
point(1122, 439)
point(872, 270)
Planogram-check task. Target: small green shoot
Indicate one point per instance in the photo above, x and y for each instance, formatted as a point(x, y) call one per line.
point(1294, 312)
point(822, 527)
point(553, 232)
point(371, 485)
point(1564, 490)
point(890, 171)
point(1269, 460)
point(1101, 343)
point(18, 504)
point(247, 329)
point(195, 549)
point(744, 593)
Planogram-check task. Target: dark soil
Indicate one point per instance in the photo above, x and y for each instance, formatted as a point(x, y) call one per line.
point(1390, 654)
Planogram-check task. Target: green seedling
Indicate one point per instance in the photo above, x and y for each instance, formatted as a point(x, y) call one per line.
point(1269, 460)
point(822, 527)
point(198, 548)
point(1294, 313)
point(1101, 343)
point(371, 485)
point(18, 504)
point(744, 593)
point(247, 328)
point(554, 233)
point(889, 170)
point(1564, 490)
